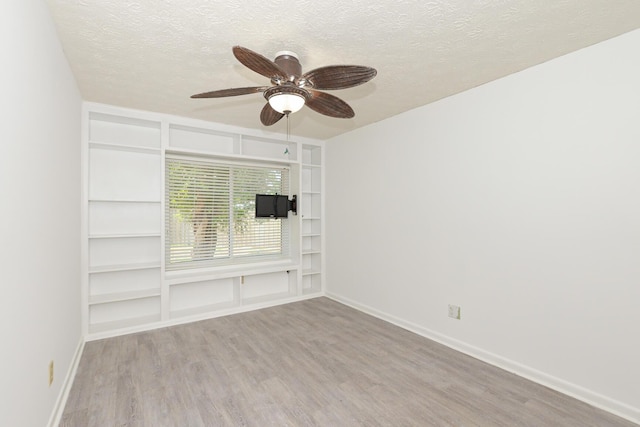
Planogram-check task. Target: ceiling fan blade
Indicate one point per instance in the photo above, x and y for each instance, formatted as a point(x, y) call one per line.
point(258, 63)
point(339, 76)
point(269, 116)
point(231, 92)
point(329, 105)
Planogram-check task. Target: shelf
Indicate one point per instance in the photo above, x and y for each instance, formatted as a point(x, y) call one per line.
point(127, 120)
point(123, 147)
point(123, 296)
point(311, 252)
point(122, 267)
point(123, 132)
point(311, 156)
point(265, 298)
point(227, 156)
point(310, 272)
point(123, 323)
point(269, 148)
point(311, 192)
point(235, 272)
point(96, 200)
point(194, 311)
point(311, 235)
point(207, 140)
point(123, 236)
point(311, 284)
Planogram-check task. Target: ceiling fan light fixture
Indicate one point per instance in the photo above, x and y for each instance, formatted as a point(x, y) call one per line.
point(286, 99)
point(286, 102)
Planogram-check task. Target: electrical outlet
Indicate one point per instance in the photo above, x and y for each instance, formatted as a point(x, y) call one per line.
point(454, 311)
point(50, 373)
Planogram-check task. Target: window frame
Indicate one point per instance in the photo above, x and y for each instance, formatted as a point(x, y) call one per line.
point(229, 262)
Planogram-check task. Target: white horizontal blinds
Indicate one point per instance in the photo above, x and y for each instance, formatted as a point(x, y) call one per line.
point(197, 213)
point(210, 213)
point(258, 236)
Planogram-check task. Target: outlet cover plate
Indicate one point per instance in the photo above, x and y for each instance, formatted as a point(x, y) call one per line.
point(454, 311)
point(50, 373)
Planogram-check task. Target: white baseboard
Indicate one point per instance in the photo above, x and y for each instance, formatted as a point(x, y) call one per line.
point(61, 401)
point(595, 399)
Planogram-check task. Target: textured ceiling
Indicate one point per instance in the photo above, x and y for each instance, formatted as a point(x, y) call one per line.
point(153, 54)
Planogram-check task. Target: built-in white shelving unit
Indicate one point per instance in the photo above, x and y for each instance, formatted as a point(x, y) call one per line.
point(126, 287)
point(311, 213)
point(123, 221)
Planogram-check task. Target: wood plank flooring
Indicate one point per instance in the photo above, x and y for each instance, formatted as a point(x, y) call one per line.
point(310, 363)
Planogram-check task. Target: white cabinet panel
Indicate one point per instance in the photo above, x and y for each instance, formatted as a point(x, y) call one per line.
point(122, 252)
point(311, 283)
point(312, 155)
point(311, 227)
point(116, 218)
point(200, 296)
point(124, 175)
point(268, 149)
point(104, 128)
point(265, 284)
point(311, 179)
point(123, 282)
point(201, 140)
point(310, 205)
point(123, 313)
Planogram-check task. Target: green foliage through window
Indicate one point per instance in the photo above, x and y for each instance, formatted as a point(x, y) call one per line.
point(210, 213)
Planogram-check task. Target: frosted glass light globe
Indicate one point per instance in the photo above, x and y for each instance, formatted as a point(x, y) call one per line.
point(286, 102)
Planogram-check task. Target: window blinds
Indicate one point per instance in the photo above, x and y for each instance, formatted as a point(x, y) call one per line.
point(210, 214)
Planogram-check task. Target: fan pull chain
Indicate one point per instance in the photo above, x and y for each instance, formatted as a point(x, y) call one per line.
point(288, 126)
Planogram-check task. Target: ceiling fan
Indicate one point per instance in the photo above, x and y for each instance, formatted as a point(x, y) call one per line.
point(291, 89)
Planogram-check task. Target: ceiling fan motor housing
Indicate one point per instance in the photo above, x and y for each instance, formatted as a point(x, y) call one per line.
point(289, 62)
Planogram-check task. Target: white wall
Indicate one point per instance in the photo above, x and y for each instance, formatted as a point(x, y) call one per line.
point(39, 217)
point(520, 202)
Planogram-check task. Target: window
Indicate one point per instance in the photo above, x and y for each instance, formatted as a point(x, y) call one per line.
point(210, 214)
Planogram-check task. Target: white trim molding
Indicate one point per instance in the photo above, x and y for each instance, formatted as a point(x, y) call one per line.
point(592, 398)
point(61, 401)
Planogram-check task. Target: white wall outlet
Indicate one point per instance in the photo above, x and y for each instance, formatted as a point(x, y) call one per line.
point(454, 311)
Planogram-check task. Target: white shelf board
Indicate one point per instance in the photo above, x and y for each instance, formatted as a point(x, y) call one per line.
point(94, 200)
point(311, 252)
point(312, 235)
point(123, 236)
point(311, 165)
point(122, 267)
point(123, 296)
point(194, 311)
point(124, 119)
point(123, 147)
point(186, 151)
point(266, 298)
point(237, 271)
point(310, 272)
point(123, 323)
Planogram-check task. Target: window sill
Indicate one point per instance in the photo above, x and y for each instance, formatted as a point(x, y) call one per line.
point(222, 272)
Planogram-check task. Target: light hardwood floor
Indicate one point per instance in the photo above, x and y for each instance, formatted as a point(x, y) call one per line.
point(310, 363)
